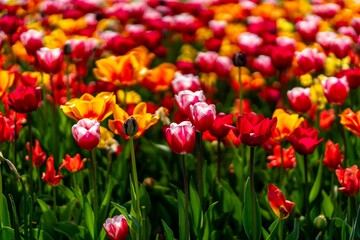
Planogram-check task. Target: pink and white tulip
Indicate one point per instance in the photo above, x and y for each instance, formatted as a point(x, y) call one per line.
point(202, 116)
point(87, 133)
point(116, 228)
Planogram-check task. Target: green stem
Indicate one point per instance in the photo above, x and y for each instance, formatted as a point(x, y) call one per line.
point(54, 199)
point(252, 187)
point(186, 188)
point(200, 168)
point(240, 92)
point(349, 211)
point(56, 141)
point(219, 160)
point(1, 194)
point(332, 185)
point(93, 174)
point(135, 179)
point(67, 80)
point(343, 136)
point(282, 165)
point(25, 209)
point(306, 195)
point(30, 155)
point(143, 222)
point(15, 133)
point(74, 180)
point(281, 222)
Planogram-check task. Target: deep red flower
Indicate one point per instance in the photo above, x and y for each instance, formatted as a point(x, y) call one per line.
point(304, 140)
point(4, 129)
point(353, 77)
point(9, 24)
point(25, 99)
point(73, 164)
point(333, 157)
point(349, 179)
point(220, 127)
point(38, 155)
point(181, 137)
point(278, 201)
point(281, 57)
point(50, 176)
point(289, 158)
point(255, 130)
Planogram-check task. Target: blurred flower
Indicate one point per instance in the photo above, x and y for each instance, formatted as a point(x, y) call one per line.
point(202, 116)
point(159, 78)
point(108, 142)
point(278, 202)
point(73, 164)
point(264, 65)
point(282, 57)
point(254, 130)
point(327, 117)
point(317, 93)
point(38, 155)
point(181, 137)
point(7, 80)
point(88, 106)
point(286, 124)
point(341, 46)
point(86, 133)
point(333, 157)
point(50, 176)
point(186, 98)
point(307, 29)
point(132, 97)
point(351, 121)
point(32, 40)
point(206, 61)
point(82, 49)
point(336, 89)
point(50, 60)
point(289, 158)
point(353, 77)
point(116, 228)
point(4, 129)
point(304, 140)
point(349, 179)
point(25, 99)
point(299, 99)
point(306, 59)
point(249, 42)
point(183, 82)
point(143, 119)
point(325, 39)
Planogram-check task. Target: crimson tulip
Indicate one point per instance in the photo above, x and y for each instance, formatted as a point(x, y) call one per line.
point(50, 60)
point(181, 137)
point(278, 201)
point(304, 140)
point(333, 157)
point(87, 133)
point(50, 176)
point(202, 116)
point(73, 164)
point(116, 228)
point(25, 99)
point(336, 89)
point(299, 99)
point(220, 127)
point(349, 179)
point(38, 155)
point(4, 129)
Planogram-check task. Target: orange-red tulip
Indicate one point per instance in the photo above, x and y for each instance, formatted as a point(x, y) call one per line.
point(73, 164)
point(351, 121)
point(50, 176)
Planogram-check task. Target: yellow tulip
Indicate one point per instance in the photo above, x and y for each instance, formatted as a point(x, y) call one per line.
point(7, 80)
point(286, 124)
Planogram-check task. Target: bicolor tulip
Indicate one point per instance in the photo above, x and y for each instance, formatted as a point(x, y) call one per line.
point(206, 61)
point(86, 133)
point(306, 59)
point(202, 116)
point(304, 140)
point(181, 137)
point(299, 99)
point(336, 89)
point(349, 179)
point(341, 46)
point(32, 40)
point(50, 176)
point(25, 99)
point(183, 82)
point(50, 60)
point(116, 228)
point(186, 98)
point(333, 157)
point(286, 124)
point(351, 121)
point(278, 201)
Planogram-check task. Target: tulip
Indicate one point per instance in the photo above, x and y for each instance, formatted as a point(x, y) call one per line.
point(327, 117)
point(38, 155)
point(281, 57)
point(81, 49)
point(286, 124)
point(4, 129)
point(353, 77)
point(223, 66)
point(307, 30)
point(183, 82)
point(289, 158)
point(299, 99)
point(306, 59)
point(202, 116)
point(159, 78)
point(264, 65)
point(286, 43)
point(50, 60)
point(86, 133)
point(73, 164)
point(25, 99)
point(218, 28)
point(349, 179)
point(249, 42)
point(116, 228)
point(278, 202)
point(186, 98)
point(181, 137)
point(7, 80)
point(220, 127)
point(50, 176)
point(336, 89)
point(206, 61)
point(325, 39)
point(304, 140)
point(254, 130)
point(32, 40)
point(341, 46)
point(240, 59)
point(333, 157)
point(9, 24)
point(351, 121)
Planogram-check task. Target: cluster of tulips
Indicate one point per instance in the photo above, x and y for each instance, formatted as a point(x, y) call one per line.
point(169, 119)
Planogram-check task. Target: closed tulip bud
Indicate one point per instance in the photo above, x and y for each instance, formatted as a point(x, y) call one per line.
point(240, 59)
point(67, 49)
point(186, 98)
point(320, 222)
point(116, 228)
point(87, 133)
point(130, 126)
point(299, 99)
point(333, 157)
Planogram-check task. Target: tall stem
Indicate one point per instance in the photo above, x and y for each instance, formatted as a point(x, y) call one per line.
point(135, 179)
point(93, 174)
point(56, 141)
point(54, 199)
point(200, 168)
point(1, 194)
point(67, 80)
point(281, 222)
point(15, 133)
point(349, 211)
point(186, 188)
point(282, 164)
point(219, 160)
point(306, 195)
point(30, 154)
point(343, 136)
point(240, 92)
point(332, 185)
point(252, 187)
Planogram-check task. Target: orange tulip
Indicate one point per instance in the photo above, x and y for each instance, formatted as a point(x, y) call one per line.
point(287, 123)
point(278, 201)
point(73, 164)
point(88, 106)
point(7, 79)
point(351, 121)
point(159, 79)
point(144, 120)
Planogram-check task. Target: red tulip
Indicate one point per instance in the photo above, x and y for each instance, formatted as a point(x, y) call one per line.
point(73, 164)
point(9, 24)
point(304, 140)
point(333, 157)
point(206, 61)
point(202, 116)
point(87, 133)
point(116, 228)
point(4, 129)
point(281, 57)
point(38, 155)
point(299, 99)
point(255, 130)
point(181, 137)
point(186, 98)
point(220, 127)
point(353, 77)
point(341, 46)
point(336, 89)
point(50, 60)
point(32, 40)
point(183, 82)
point(278, 201)
point(289, 158)
point(50, 176)
point(349, 179)
point(218, 28)
point(82, 49)
point(25, 99)
point(327, 117)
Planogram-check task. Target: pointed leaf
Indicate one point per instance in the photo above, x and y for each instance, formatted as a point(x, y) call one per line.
point(89, 217)
point(195, 209)
point(7, 233)
point(169, 235)
point(5, 216)
point(294, 235)
point(317, 184)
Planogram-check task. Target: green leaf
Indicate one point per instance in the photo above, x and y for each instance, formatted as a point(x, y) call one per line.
point(317, 185)
point(355, 231)
point(181, 207)
point(264, 233)
point(14, 217)
point(49, 218)
point(89, 217)
point(42, 235)
point(132, 222)
point(247, 216)
point(169, 235)
point(294, 235)
point(327, 205)
point(65, 212)
point(72, 231)
point(208, 222)
point(7, 233)
point(195, 210)
point(274, 230)
point(5, 217)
